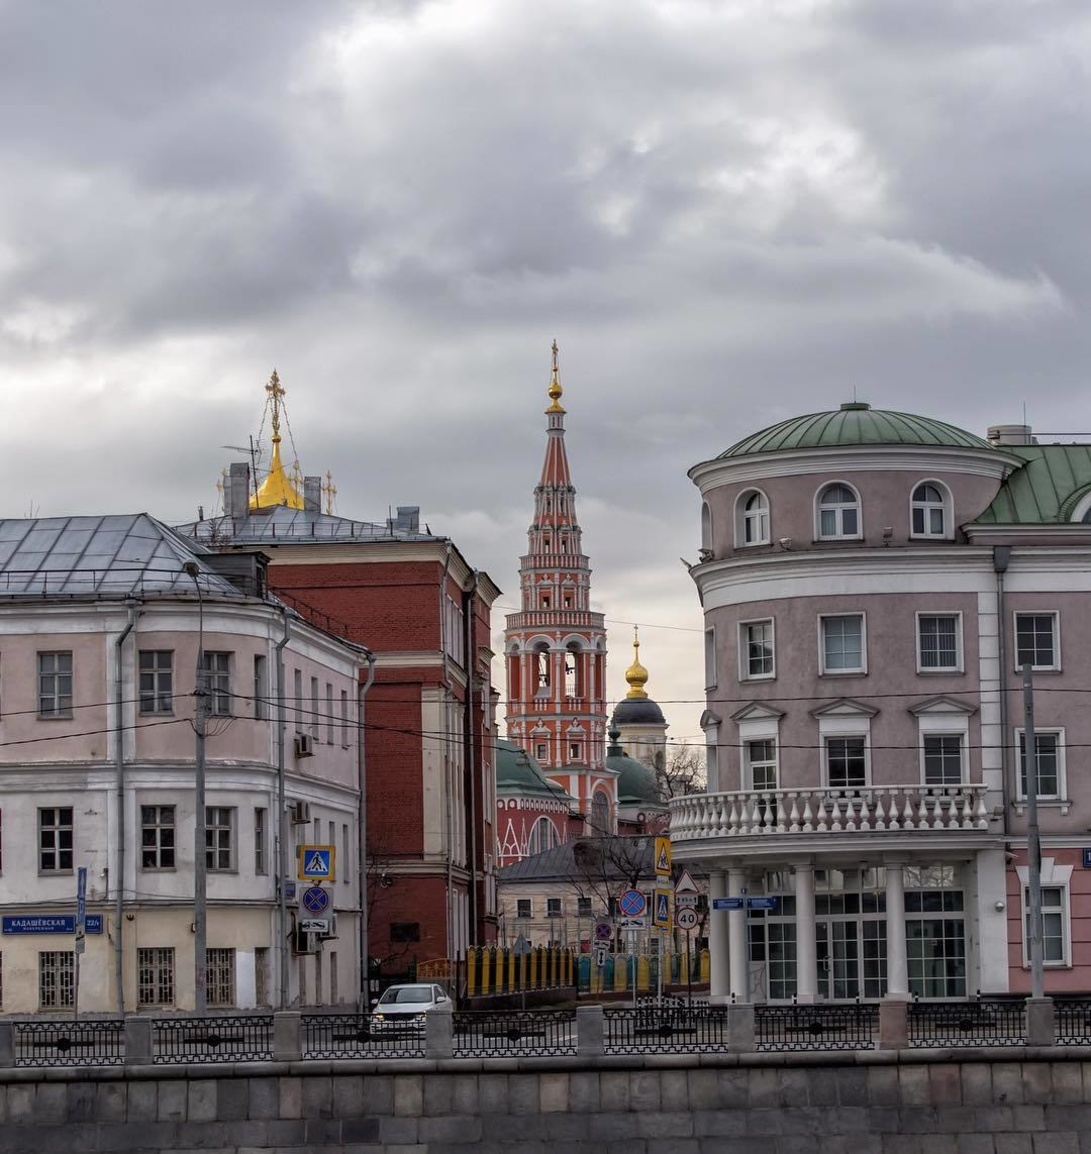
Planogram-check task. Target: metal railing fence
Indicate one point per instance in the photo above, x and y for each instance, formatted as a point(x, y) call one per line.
point(980, 1022)
point(488, 1034)
point(95, 1042)
point(333, 1036)
point(816, 1027)
point(246, 1038)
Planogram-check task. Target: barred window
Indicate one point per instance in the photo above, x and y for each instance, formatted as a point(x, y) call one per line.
point(155, 976)
point(56, 979)
point(221, 977)
point(157, 837)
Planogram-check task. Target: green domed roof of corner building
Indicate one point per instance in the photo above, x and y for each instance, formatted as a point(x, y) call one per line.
point(518, 772)
point(854, 424)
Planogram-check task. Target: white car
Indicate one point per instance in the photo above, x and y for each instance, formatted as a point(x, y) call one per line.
point(402, 1008)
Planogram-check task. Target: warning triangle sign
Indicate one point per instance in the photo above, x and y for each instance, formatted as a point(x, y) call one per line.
point(662, 856)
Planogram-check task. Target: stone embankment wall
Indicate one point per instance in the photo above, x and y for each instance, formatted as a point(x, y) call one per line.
point(1025, 1101)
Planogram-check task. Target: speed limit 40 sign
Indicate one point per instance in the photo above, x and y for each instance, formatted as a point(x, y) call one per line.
point(686, 918)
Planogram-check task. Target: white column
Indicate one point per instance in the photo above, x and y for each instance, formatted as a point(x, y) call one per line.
point(806, 953)
point(719, 989)
point(738, 945)
point(897, 971)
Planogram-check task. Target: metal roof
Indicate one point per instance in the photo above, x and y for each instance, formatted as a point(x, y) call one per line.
point(1045, 490)
point(114, 556)
point(282, 524)
point(854, 424)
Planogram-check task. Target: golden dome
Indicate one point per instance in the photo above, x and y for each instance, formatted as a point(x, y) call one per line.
point(277, 488)
point(555, 389)
point(636, 675)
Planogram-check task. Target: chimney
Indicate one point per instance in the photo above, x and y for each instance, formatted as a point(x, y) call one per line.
point(237, 493)
point(312, 494)
point(1010, 435)
point(408, 519)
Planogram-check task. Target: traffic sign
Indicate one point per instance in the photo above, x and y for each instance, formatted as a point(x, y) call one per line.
point(662, 914)
point(315, 899)
point(315, 925)
point(686, 918)
point(81, 909)
point(663, 857)
point(316, 862)
point(728, 903)
point(604, 932)
point(632, 903)
point(600, 956)
point(761, 903)
point(685, 884)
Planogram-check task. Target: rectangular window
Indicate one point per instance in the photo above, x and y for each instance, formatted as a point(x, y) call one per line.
point(939, 647)
point(157, 837)
point(523, 908)
point(756, 649)
point(942, 759)
point(261, 859)
point(1054, 926)
point(156, 681)
point(710, 658)
point(221, 977)
point(540, 751)
point(261, 687)
point(583, 907)
point(344, 719)
point(1049, 755)
point(219, 839)
point(217, 671)
point(405, 931)
point(345, 864)
point(55, 684)
point(846, 762)
point(56, 979)
point(1036, 641)
point(329, 714)
point(553, 907)
point(761, 760)
point(297, 686)
point(155, 976)
point(843, 643)
point(314, 708)
point(55, 839)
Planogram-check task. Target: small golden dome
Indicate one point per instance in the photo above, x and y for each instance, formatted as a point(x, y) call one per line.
point(555, 389)
point(277, 488)
point(636, 675)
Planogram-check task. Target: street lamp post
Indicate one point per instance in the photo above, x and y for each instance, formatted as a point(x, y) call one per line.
point(200, 835)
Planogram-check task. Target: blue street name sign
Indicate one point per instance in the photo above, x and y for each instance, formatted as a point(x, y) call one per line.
point(728, 903)
point(49, 924)
point(1087, 859)
point(761, 903)
point(744, 903)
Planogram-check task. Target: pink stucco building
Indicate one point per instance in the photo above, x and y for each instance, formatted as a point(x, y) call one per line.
point(872, 584)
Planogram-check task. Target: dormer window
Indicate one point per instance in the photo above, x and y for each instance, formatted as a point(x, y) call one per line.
point(838, 512)
point(929, 511)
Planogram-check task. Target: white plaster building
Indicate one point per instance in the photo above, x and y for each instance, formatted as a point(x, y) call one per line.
point(872, 583)
point(101, 623)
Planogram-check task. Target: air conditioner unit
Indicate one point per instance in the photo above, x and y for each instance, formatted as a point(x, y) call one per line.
point(332, 931)
point(299, 812)
point(303, 942)
point(304, 745)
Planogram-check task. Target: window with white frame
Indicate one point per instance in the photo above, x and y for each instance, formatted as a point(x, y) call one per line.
point(157, 841)
point(540, 751)
point(1036, 641)
point(219, 838)
point(261, 840)
point(943, 759)
point(838, 512)
point(939, 642)
point(1055, 926)
point(156, 680)
point(1050, 761)
point(756, 651)
point(55, 684)
point(761, 764)
point(553, 908)
point(843, 643)
point(583, 906)
point(55, 839)
point(155, 975)
point(752, 527)
point(846, 762)
point(217, 672)
point(261, 688)
point(928, 510)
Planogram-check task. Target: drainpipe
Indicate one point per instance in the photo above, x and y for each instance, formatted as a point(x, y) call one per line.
point(1001, 560)
point(119, 773)
point(468, 736)
point(447, 776)
point(361, 830)
point(282, 820)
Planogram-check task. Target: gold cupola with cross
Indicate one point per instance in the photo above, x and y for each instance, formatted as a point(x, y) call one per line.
point(278, 488)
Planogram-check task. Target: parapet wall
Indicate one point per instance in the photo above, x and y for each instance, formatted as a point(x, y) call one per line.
point(1025, 1101)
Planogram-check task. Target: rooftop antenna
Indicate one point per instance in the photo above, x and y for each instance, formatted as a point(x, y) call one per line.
point(253, 451)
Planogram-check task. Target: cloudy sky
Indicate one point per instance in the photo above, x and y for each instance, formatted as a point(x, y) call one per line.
point(725, 211)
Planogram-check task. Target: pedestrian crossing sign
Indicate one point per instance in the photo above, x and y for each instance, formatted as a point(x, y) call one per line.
point(663, 856)
point(316, 862)
point(661, 911)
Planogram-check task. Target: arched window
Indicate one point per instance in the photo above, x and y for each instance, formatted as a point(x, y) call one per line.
point(838, 512)
point(706, 526)
point(573, 671)
point(929, 511)
point(541, 668)
point(542, 837)
point(600, 812)
point(752, 519)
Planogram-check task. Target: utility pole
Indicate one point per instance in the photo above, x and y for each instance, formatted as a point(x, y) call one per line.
point(1034, 844)
point(200, 836)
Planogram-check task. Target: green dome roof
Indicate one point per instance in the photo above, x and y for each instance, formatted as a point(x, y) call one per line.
point(636, 784)
point(518, 772)
point(855, 424)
